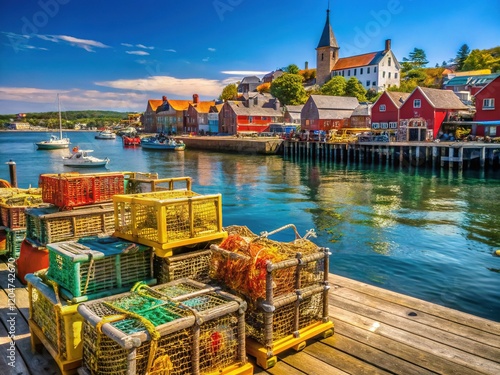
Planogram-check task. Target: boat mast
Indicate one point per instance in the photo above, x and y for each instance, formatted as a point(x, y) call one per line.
point(60, 121)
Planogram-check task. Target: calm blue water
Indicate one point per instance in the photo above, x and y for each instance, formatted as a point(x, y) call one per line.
point(428, 234)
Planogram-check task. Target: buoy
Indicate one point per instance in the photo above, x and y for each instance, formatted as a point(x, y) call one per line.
point(497, 253)
point(75, 149)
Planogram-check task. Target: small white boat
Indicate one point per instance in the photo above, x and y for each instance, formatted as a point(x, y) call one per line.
point(54, 142)
point(82, 159)
point(105, 134)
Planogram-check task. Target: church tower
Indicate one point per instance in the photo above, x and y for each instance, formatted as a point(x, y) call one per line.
point(327, 52)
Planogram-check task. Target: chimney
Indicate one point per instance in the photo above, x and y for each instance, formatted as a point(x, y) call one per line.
point(306, 66)
point(164, 98)
point(276, 104)
point(195, 98)
point(387, 45)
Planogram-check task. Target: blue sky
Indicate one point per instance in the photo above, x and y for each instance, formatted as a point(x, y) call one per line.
point(115, 55)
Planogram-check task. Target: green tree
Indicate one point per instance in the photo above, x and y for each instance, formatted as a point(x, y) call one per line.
point(478, 59)
point(288, 89)
point(462, 55)
point(335, 86)
point(356, 89)
point(230, 92)
point(292, 69)
point(415, 60)
point(372, 95)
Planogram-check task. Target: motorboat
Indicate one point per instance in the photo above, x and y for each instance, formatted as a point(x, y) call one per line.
point(105, 134)
point(54, 142)
point(82, 159)
point(131, 140)
point(160, 142)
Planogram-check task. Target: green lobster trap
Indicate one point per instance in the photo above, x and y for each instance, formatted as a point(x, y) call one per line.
point(182, 327)
point(94, 267)
point(46, 225)
point(168, 219)
point(14, 240)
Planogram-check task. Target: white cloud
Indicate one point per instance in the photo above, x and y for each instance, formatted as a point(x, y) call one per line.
point(211, 49)
point(170, 50)
point(87, 44)
point(143, 46)
point(139, 53)
point(244, 72)
point(165, 85)
point(206, 59)
point(126, 44)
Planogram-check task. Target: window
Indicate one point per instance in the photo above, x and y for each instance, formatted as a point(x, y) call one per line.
point(360, 70)
point(396, 75)
point(368, 70)
point(374, 69)
point(381, 108)
point(389, 61)
point(375, 125)
point(367, 83)
point(355, 71)
point(349, 73)
point(373, 83)
point(250, 118)
point(384, 125)
point(417, 103)
point(322, 55)
point(393, 125)
point(489, 103)
point(383, 74)
point(389, 75)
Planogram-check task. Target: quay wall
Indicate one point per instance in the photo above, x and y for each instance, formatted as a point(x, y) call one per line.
point(249, 145)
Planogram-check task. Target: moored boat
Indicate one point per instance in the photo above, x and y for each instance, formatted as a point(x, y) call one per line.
point(160, 142)
point(105, 134)
point(55, 143)
point(131, 141)
point(82, 159)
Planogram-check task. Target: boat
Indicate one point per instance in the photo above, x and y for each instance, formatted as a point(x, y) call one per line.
point(82, 159)
point(131, 140)
point(105, 134)
point(160, 142)
point(55, 142)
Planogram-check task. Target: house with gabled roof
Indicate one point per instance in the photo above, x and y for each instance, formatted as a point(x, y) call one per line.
point(253, 114)
point(149, 122)
point(292, 113)
point(213, 118)
point(248, 84)
point(170, 115)
point(361, 116)
point(487, 117)
point(385, 110)
point(424, 111)
point(324, 112)
point(197, 115)
point(375, 70)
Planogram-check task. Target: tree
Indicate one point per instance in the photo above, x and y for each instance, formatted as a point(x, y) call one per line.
point(372, 95)
point(356, 89)
point(264, 88)
point(292, 69)
point(416, 59)
point(230, 92)
point(478, 59)
point(462, 55)
point(288, 89)
point(335, 86)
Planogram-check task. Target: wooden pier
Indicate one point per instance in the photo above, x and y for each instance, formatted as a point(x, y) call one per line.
point(454, 155)
point(376, 332)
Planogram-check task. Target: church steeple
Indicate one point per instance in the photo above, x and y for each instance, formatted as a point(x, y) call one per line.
point(327, 52)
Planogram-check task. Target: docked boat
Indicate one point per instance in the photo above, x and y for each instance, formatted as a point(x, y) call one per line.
point(159, 142)
point(54, 142)
point(82, 159)
point(105, 134)
point(131, 141)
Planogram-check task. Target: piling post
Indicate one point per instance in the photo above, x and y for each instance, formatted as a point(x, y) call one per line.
point(451, 155)
point(12, 173)
point(482, 157)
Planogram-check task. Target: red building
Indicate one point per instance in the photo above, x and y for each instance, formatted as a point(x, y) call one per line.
point(423, 112)
point(487, 117)
point(385, 110)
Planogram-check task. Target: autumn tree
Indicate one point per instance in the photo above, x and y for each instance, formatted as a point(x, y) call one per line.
point(288, 89)
point(478, 59)
point(335, 86)
point(230, 92)
point(462, 55)
point(355, 88)
point(264, 88)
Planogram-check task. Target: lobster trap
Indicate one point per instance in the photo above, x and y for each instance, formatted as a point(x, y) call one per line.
point(141, 183)
point(194, 265)
point(94, 267)
point(55, 324)
point(69, 190)
point(182, 327)
point(13, 204)
point(168, 219)
point(14, 240)
point(46, 225)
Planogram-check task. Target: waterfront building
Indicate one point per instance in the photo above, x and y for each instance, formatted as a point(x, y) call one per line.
point(149, 122)
point(424, 111)
point(385, 112)
point(361, 116)
point(324, 112)
point(488, 110)
point(375, 70)
point(292, 113)
point(197, 115)
point(253, 114)
point(213, 118)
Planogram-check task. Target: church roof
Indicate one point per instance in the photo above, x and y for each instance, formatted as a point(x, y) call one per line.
point(327, 38)
point(371, 58)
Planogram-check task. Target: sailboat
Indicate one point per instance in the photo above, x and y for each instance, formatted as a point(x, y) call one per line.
point(55, 143)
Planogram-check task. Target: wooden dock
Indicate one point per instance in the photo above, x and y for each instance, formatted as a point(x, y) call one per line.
point(376, 332)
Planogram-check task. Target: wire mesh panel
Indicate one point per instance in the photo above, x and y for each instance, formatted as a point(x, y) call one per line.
point(14, 240)
point(94, 267)
point(168, 219)
point(49, 225)
point(181, 327)
point(194, 265)
point(139, 183)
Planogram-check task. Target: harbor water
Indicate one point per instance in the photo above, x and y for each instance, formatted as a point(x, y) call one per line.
point(430, 234)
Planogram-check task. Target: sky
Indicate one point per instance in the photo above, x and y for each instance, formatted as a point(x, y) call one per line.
point(116, 55)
